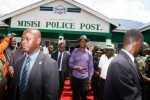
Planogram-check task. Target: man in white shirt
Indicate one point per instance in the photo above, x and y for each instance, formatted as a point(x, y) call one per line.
point(45, 48)
point(50, 50)
point(104, 62)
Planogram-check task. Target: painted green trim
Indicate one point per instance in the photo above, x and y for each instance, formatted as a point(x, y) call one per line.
point(146, 36)
point(4, 30)
point(117, 37)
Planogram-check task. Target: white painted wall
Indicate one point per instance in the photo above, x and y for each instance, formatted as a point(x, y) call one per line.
point(67, 17)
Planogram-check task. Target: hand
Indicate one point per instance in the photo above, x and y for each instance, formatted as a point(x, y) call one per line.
point(11, 35)
point(89, 85)
point(79, 69)
point(11, 70)
point(97, 72)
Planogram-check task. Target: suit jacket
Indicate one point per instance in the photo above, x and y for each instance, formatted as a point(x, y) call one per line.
point(65, 60)
point(123, 81)
point(43, 83)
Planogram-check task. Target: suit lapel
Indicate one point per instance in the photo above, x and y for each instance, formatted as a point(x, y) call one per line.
point(63, 61)
point(64, 56)
point(56, 56)
point(133, 66)
point(18, 67)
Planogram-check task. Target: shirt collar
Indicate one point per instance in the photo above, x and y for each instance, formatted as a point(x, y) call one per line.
point(129, 54)
point(34, 55)
point(60, 52)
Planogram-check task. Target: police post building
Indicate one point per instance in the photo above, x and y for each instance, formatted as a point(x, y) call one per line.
point(60, 18)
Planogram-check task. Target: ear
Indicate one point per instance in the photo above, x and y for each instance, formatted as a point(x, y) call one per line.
point(39, 41)
point(134, 43)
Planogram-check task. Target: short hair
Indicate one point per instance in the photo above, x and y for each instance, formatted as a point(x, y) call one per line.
point(132, 35)
point(32, 30)
point(63, 42)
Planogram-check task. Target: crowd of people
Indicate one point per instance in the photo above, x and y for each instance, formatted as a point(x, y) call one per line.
point(29, 71)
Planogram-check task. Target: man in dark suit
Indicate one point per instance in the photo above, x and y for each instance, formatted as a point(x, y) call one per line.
point(36, 75)
point(62, 58)
point(124, 81)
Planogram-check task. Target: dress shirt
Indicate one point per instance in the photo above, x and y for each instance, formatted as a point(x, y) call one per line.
point(33, 58)
point(83, 59)
point(60, 66)
point(104, 63)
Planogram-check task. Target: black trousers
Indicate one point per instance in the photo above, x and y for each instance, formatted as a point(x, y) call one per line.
point(79, 88)
point(3, 91)
point(102, 85)
point(146, 92)
point(61, 82)
point(96, 86)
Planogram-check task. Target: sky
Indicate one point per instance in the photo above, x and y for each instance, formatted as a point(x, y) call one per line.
point(137, 10)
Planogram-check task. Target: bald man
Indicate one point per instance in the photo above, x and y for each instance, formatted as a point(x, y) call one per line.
point(123, 81)
point(36, 74)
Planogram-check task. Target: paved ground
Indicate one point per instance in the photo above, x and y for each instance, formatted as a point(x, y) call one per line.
point(67, 93)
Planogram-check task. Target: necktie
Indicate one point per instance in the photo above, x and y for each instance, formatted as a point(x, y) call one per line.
point(23, 81)
point(59, 60)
